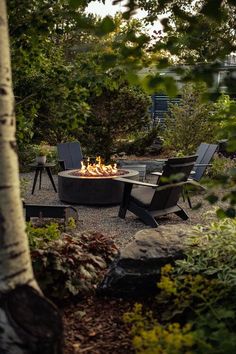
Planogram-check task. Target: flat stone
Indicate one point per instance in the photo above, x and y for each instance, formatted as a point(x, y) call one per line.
point(138, 266)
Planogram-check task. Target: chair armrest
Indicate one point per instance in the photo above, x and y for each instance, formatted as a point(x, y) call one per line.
point(192, 182)
point(160, 160)
point(132, 181)
point(156, 173)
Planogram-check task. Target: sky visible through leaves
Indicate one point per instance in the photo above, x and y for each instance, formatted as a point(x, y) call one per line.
point(100, 9)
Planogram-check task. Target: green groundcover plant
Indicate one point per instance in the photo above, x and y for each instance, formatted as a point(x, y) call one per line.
point(195, 310)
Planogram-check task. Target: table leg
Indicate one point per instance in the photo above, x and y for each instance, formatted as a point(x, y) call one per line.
point(40, 178)
point(51, 178)
point(35, 179)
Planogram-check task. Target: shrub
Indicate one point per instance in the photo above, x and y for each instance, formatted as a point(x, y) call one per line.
point(150, 337)
point(196, 299)
point(66, 265)
point(40, 236)
point(114, 114)
point(215, 254)
point(141, 142)
point(220, 166)
point(225, 115)
point(190, 122)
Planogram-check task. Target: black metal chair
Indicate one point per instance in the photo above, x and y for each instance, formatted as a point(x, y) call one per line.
point(205, 154)
point(150, 201)
point(69, 155)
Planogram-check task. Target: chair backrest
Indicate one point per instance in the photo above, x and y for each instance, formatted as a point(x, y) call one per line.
point(71, 154)
point(175, 170)
point(205, 153)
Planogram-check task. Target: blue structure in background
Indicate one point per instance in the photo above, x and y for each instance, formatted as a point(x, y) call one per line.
point(225, 74)
point(160, 106)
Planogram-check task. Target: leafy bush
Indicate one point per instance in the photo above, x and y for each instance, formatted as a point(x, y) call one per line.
point(225, 115)
point(40, 236)
point(215, 254)
point(150, 337)
point(190, 122)
point(114, 113)
point(196, 305)
point(66, 265)
point(141, 142)
point(220, 166)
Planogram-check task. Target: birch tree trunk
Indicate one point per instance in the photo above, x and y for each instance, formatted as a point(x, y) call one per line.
point(22, 306)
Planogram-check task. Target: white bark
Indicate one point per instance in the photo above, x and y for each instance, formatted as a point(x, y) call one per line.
point(15, 263)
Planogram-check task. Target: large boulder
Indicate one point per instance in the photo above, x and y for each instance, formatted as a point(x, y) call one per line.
point(137, 269)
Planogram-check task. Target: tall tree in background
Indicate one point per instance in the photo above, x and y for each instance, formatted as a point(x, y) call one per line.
point(28, 322)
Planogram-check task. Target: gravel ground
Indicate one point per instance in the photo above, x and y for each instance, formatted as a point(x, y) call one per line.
point(105, 219)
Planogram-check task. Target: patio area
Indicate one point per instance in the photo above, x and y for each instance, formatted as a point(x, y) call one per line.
point(105, 219)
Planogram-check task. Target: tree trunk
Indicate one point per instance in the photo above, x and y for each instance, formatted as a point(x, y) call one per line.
point(26, 317)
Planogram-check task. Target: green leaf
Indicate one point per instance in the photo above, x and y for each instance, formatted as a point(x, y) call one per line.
point(163, 63)
point(212, 198)
point(212, 9)
point(77, 3)
point(230, 212)
point(220, 213)
point(106, 26)
point(109, 60)
point(131, 5)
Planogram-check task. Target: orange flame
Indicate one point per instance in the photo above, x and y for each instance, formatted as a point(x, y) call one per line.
point(97, 169)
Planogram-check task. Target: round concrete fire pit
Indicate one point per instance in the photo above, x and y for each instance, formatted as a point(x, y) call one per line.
point(75, 189)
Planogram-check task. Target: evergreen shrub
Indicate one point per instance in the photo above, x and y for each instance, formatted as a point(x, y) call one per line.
point(190, 122)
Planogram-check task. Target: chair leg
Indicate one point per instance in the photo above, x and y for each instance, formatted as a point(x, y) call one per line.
point(143, 214)
point(189, 202)
point(125, 200)
point(149, 220)
point(182, 214)
point(122, 212)
point(186, 193)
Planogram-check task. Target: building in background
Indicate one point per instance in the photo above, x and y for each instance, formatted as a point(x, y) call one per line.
point(225, 74)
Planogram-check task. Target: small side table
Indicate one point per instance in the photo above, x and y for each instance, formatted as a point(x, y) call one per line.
point(39, 170)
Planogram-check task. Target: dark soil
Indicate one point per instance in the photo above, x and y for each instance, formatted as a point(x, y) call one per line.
point(95, 325)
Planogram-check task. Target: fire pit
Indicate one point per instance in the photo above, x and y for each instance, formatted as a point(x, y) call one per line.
point(93, 184)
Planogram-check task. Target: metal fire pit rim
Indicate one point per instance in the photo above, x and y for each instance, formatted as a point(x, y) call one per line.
point(67, 173)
